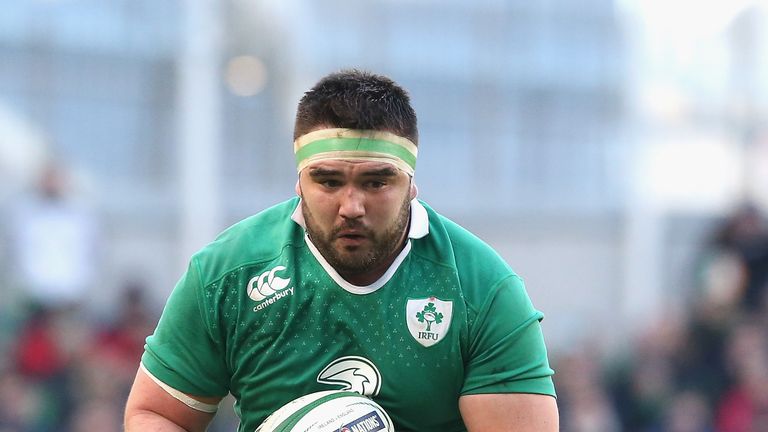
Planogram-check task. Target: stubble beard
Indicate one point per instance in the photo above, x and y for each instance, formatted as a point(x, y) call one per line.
point(381, 247)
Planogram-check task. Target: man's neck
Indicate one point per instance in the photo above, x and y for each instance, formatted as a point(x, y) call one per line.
point(370, 276)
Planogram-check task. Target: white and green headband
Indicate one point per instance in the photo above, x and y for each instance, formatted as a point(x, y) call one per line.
point(344, 144)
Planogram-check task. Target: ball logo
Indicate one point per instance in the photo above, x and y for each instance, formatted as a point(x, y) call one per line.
point(371, 422)
point(353, 373)
point(329, 411)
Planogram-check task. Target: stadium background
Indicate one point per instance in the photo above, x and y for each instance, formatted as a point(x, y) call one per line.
point(607, 149)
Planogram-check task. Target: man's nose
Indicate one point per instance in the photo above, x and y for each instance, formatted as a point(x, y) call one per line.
point(352, 205)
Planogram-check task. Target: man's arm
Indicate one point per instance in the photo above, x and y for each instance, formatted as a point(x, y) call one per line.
point(511, 412)
point(151, 408)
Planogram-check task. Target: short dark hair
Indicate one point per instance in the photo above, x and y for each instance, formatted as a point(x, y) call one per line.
point(357, 99)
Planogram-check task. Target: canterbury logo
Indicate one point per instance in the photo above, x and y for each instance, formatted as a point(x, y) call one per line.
point(266, 284)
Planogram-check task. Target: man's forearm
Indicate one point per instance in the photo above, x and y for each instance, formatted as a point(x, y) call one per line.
point(148, 421)
point(151, 408)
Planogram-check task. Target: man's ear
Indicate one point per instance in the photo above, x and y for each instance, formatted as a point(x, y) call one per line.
point(298, 187)
point(414, 190)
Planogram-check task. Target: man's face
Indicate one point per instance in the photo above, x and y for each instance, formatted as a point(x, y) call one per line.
point(356, 213)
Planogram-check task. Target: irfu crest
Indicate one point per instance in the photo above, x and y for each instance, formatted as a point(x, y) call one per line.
point(430, 315)
point(428, 319)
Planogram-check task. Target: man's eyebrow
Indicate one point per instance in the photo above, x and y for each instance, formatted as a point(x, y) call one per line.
point(382, 172)
point(321, 172)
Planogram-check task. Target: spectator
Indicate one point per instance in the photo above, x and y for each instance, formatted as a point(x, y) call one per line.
point(122, 342)
point(643, 383)
point(744, 406)
point(689, 411)
point(54, 244)
point(584, 404)
point(20, 403)
point(737, 268)
point(97, 415)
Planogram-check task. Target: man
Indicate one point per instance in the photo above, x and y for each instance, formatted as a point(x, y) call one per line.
point(353, 284)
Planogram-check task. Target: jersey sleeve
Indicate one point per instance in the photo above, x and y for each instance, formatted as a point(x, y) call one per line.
point(183, 352)
point(507, 352)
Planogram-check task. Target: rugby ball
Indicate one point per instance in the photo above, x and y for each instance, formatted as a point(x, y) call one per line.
point(329, 411)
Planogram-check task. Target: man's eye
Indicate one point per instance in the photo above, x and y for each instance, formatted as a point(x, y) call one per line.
point(376, 184)
point(331, 183)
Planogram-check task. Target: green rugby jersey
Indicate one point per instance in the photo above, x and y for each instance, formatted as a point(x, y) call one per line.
point(260, 314)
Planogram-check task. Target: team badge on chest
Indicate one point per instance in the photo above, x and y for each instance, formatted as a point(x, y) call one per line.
point(428, 319)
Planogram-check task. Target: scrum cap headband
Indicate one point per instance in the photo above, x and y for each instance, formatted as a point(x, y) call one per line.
point(369, 145)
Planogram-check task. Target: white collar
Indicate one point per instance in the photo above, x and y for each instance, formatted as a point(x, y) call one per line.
point(418, 229)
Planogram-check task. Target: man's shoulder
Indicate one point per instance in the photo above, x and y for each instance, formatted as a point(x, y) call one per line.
point(480, 270)
point(455, 244)
point(478, 267)
point(276, 217)
point(260, 237)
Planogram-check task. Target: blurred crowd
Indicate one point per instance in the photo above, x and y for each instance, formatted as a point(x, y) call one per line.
point(61, 367)
point(65, 365)
point(700, 369)
point(64, 372)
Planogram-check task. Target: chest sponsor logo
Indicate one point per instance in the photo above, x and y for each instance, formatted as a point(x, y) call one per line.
point(353, 373)
point(267, 288)
point(428, 319)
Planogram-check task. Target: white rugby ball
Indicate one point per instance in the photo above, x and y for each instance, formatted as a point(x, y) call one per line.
point(329, 411)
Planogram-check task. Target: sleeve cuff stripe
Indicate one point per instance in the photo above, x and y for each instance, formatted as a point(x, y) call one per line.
point(180, 396)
